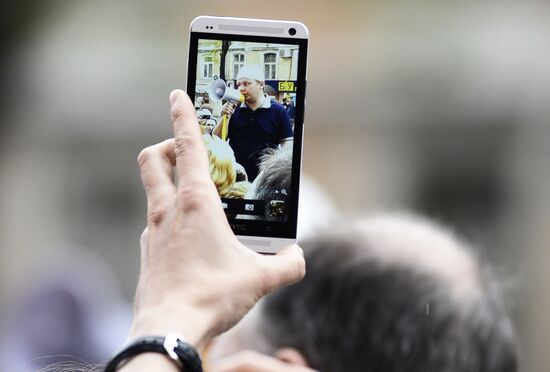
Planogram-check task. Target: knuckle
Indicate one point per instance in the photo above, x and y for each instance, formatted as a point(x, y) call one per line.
point(183, 145)
point(176, 113)
point(155, 216)
point(192, 198)
point(144, 155)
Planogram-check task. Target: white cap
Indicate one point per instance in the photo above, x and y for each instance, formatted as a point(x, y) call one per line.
point(254, 72)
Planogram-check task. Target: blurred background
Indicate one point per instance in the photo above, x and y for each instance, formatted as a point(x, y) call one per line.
point(440, 107)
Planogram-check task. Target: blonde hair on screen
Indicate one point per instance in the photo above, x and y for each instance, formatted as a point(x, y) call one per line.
point(222, 164)
point(239, 190)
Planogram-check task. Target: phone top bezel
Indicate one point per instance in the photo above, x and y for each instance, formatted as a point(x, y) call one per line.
point(249, 26)
point(252, 227)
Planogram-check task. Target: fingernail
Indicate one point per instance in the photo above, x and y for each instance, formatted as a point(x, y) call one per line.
point(174, 96)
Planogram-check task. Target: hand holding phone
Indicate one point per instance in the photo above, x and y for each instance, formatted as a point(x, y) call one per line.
point(217, 279)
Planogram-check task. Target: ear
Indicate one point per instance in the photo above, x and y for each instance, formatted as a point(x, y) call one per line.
point(291, 356)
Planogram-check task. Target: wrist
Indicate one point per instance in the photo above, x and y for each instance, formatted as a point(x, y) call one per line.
point(196, 326)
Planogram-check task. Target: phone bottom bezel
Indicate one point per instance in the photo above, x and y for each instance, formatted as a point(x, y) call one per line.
point(265, 245)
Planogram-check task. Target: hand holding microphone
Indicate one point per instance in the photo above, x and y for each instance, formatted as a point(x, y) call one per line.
point(229, 108)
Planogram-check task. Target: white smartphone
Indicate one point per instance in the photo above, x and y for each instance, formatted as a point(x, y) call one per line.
point(247, 79)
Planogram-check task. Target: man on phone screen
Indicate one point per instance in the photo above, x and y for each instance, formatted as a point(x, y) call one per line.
point(256, 124)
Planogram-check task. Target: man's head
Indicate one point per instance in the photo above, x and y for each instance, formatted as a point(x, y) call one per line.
point(250, 82)
point(390, 293)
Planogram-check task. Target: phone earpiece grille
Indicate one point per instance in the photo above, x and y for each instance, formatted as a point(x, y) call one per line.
point(269, 30)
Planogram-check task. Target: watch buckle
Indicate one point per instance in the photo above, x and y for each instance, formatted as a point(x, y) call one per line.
point(171, 343)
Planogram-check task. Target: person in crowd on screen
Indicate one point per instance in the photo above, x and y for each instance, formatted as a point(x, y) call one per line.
point(256, 124)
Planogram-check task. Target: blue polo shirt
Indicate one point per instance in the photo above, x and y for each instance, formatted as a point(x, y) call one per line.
point(252, 131)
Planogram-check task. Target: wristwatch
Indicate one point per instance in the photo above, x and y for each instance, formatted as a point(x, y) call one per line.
point(173, 345)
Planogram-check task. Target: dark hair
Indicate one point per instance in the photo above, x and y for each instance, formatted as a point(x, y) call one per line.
point(353, 312)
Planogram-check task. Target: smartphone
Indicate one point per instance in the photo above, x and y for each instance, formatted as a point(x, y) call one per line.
point(247, 79)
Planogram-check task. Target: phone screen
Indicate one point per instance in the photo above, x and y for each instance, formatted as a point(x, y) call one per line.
point(248, 93)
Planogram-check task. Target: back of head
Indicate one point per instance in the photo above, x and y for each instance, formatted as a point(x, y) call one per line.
point(222, 163)
point(274, 179)
point(275, 173)
point(392, 293)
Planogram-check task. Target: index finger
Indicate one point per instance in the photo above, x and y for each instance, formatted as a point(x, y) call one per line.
point(191, 156)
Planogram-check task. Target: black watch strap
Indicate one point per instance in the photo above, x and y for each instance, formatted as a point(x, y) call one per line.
point(173, 346)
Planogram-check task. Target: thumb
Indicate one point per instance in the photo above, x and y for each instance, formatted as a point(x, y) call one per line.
point(286, 267)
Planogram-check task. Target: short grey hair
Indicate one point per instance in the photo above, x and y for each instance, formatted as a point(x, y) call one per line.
point(354, 312)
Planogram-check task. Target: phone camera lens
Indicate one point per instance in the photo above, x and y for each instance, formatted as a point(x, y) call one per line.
point(292, 31)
